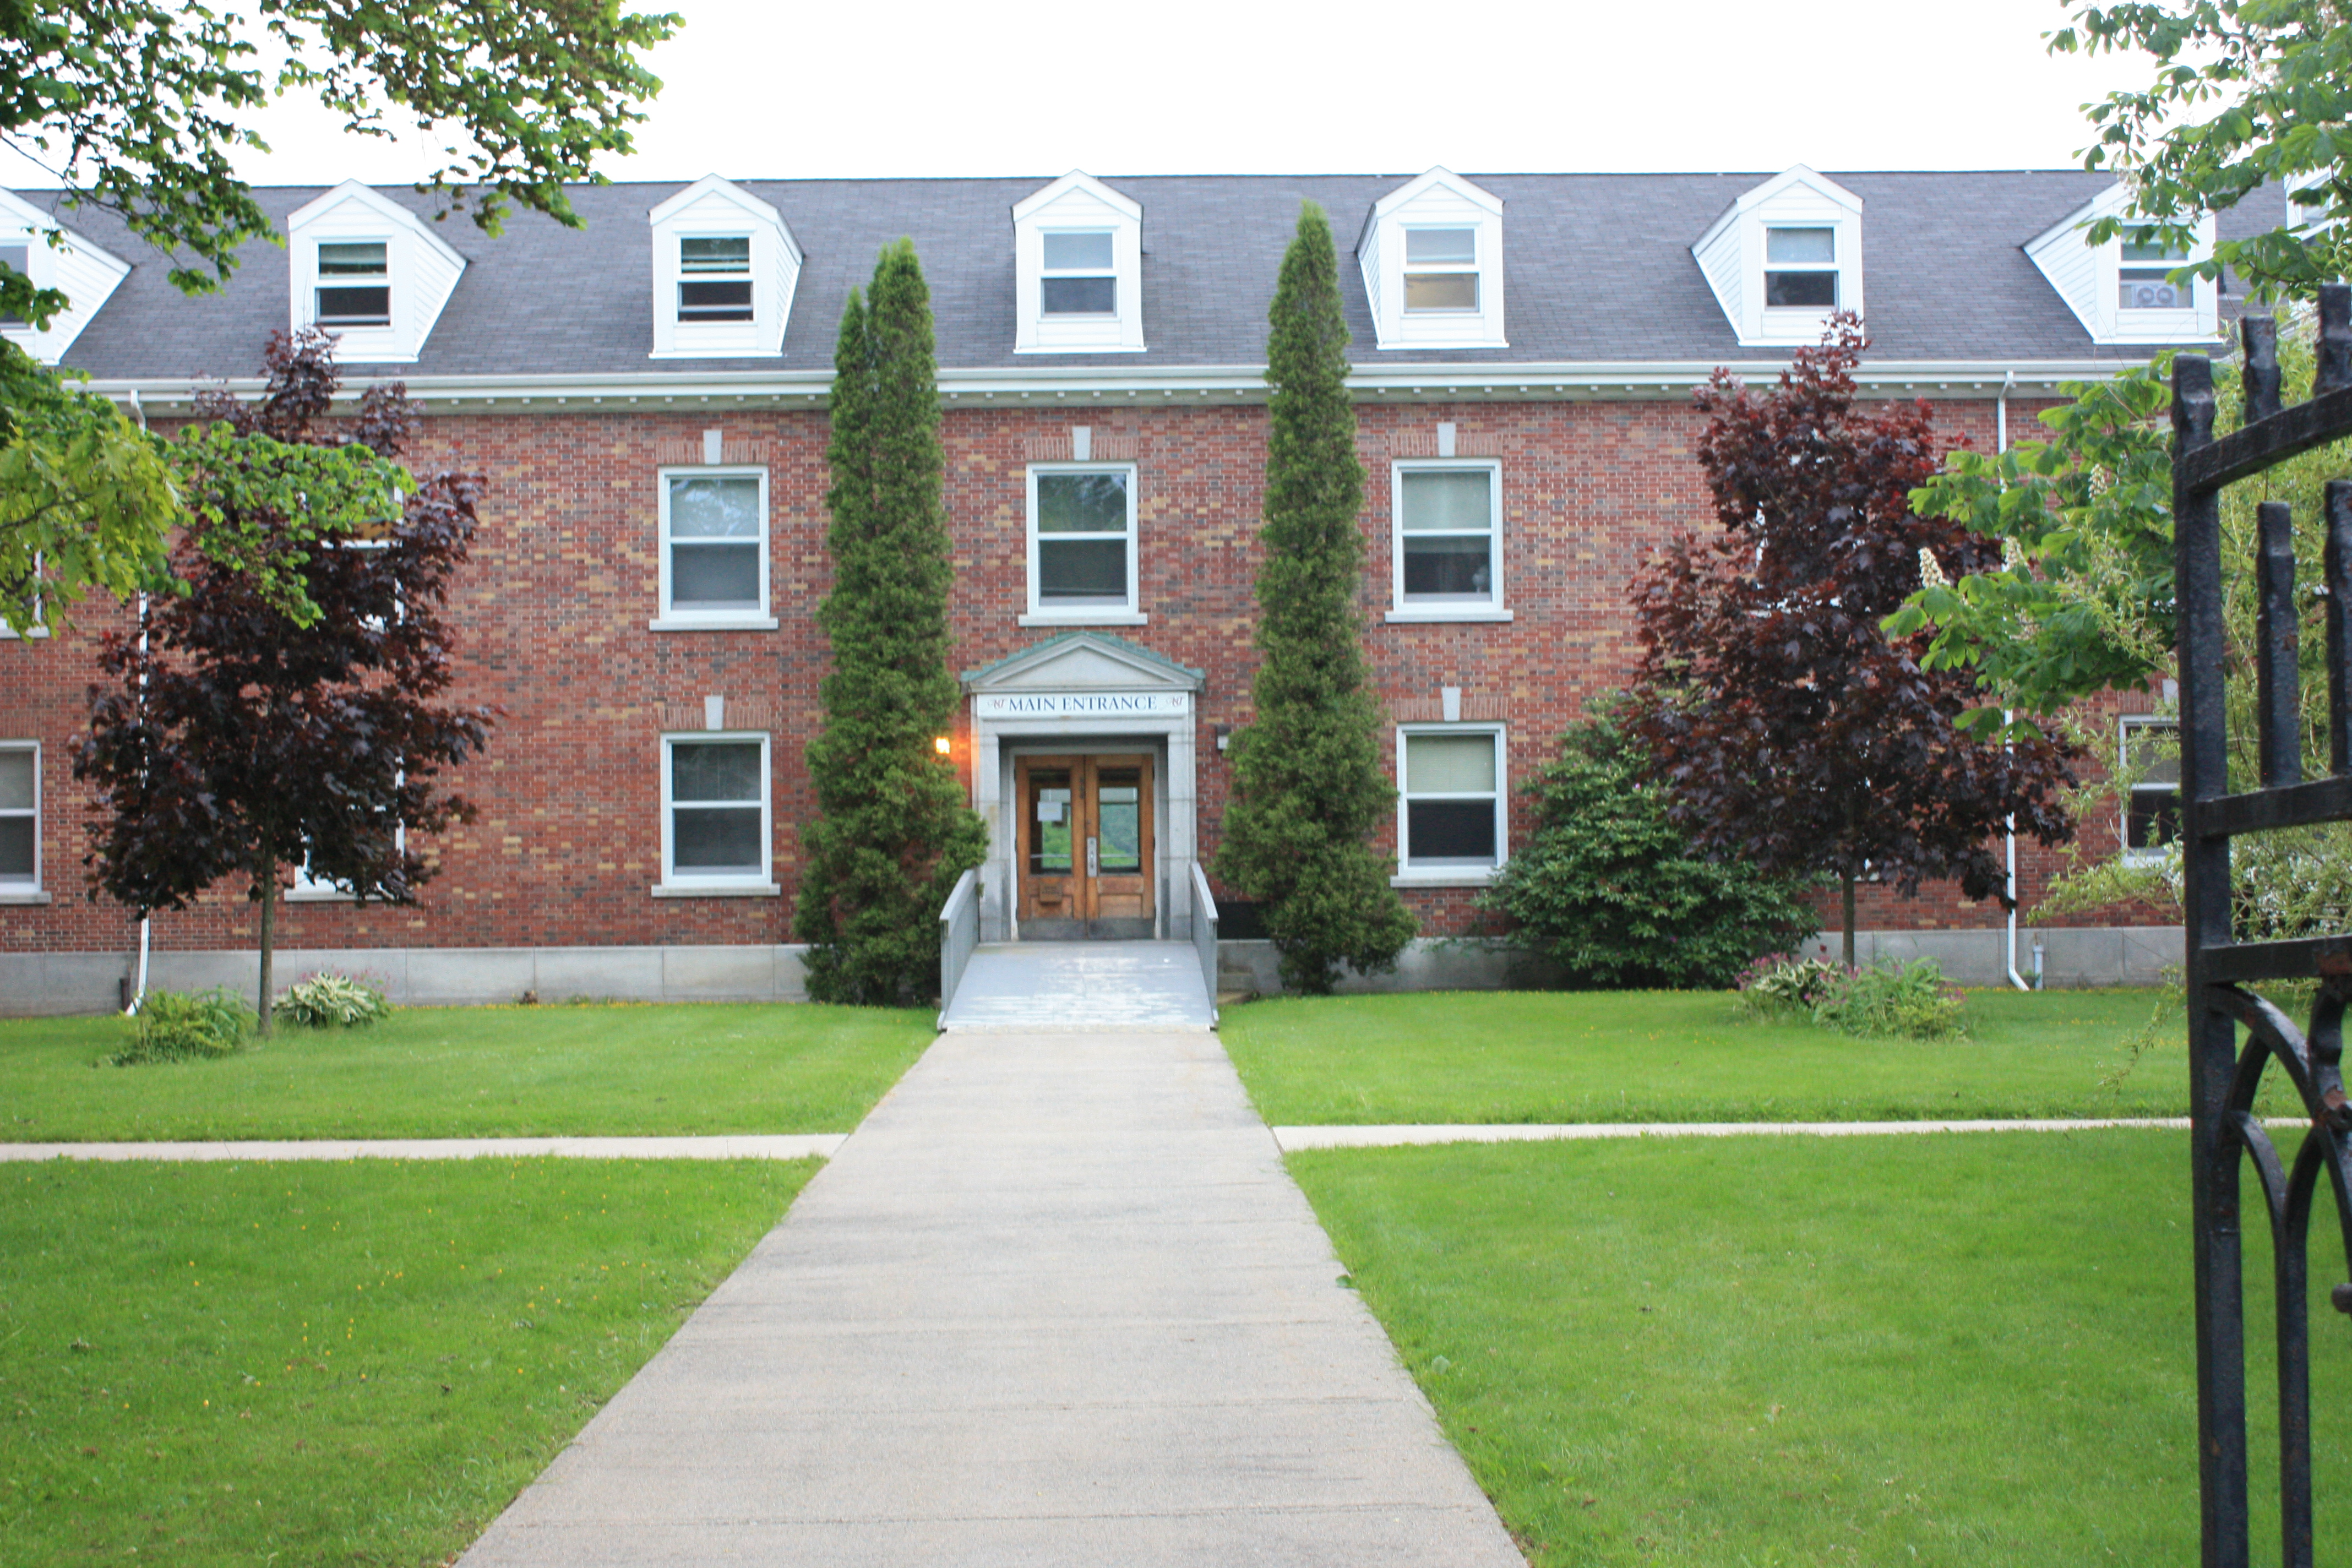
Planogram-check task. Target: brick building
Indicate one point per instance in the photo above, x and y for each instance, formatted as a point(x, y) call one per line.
point(646, 396)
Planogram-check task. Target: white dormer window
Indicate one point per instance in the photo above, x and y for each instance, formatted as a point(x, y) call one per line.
point(1783, 257)
point(725, 270)
point(86, 275)
point(371, 271)
point(1080, 277)
point(2122, 292)
point(1077, 247)
point(1432, 253)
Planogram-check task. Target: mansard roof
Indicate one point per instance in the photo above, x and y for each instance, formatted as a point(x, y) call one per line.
point(1600, 271)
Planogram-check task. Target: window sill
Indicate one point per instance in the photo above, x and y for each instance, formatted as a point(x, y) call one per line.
point(319, 896)
point(6, 635)
point(713, 624)
point(23, 895)
point(1086, 618)
point(1423, 613)
point(1461, 877)
point(716, 890)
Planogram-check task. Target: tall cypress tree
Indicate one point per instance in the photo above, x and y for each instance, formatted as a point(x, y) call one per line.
point(1308, 789)
point(892, 832)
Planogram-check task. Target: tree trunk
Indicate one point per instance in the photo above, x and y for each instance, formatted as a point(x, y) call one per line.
point(268, 912)
point(1846, 878)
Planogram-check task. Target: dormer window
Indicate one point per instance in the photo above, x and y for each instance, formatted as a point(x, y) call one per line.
point(18, 259)
point(1080, 277)
point(354, 284)
point(1431, 251)
point(1800, 268)
point(2143, 278)
point(86, 275)
point(1077, 253)
point(1440, 269)
point(714, 280)
point(725, 270)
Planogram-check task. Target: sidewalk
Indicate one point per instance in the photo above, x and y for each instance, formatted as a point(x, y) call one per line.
point(1054, 1303)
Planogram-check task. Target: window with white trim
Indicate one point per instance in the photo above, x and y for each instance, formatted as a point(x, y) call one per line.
point(1078, 277)
point(714, 281)
point(1441, 269)
point(715, 829)
point(2149, 752)
point(354, 286)
point(1800, 270)
point(1451, 802)
point(1448, 536)
point(714, 549)
point(1082, 543)
point(20, 816)
point(2143, 278)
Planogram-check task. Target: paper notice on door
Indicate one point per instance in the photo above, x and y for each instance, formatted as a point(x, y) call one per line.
point(1049, 811)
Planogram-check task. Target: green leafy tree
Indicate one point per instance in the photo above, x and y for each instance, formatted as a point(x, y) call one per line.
point(1308, 790)
point(2246, 93)
point(136, 106)
point(892, 833)
point(1608, 889)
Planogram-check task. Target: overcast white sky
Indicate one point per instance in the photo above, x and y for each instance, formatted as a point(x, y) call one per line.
point(1021, 87)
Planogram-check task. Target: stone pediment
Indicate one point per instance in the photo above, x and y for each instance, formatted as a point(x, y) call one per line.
point(1083, 661)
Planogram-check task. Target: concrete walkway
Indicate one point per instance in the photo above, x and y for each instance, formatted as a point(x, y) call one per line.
point(1054, 1303)
point(1030, 987)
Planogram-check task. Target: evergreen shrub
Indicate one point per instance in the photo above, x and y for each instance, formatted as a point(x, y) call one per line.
point(1608, 889)
point(176, 1026)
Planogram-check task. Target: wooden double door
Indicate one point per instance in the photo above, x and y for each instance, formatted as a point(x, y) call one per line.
point(1087, 840)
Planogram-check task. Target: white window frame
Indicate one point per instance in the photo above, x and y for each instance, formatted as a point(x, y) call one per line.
point(17, 890)
point(1453, 874)
point(732, 884)
point(2125, 725)
point(1469, 269)
point(762, 618)
point(308, 888)
point(1046, 271)
point(1490, 608)
point(748, 275)
point(1829, 268)
point(1131, 612)
point(321, 280)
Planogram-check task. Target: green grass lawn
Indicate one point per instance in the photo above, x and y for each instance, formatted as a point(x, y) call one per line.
point(1950, 1349)
point(330, 1364)
point(473, 1072)
point(1594, 1056)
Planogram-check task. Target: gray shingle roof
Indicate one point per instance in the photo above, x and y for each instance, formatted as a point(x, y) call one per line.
point(1599, 270)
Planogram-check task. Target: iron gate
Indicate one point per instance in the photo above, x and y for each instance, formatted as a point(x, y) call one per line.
point(2223, 1083)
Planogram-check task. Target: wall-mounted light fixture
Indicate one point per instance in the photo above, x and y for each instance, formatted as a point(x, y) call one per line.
point(942, 746)
point(1224, 732)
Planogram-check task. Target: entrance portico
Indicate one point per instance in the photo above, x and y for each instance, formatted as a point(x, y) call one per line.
point(1096, 713)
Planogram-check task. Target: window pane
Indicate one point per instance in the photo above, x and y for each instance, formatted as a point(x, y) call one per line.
point(1452, 500)
point(1801, 289)
point(1449, 765)
point(1085, 569)
point(1441, 290)
point(2145, 289)
point(1082, 503)
point(20, 259)
point(1119, 822)
point(715, 253)
point(1049, 818)
point(714, 302)
point(702, 840)
point(361, 259)
point(714, 576)
point(15, 781)
point(715, 508)
point(1452, 565)
point(2154, 251)
point(16, 848)
point(1797, 245)
point(355, 306)
point(2153, 818)
point(714, 770)
point(2153, 750)
point(1080, 295)
point(1449, 830)
point(1424, 245)
point(1077, 252)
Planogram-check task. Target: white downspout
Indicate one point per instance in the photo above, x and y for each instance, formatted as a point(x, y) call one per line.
point(2009, 716)
point(146, 922)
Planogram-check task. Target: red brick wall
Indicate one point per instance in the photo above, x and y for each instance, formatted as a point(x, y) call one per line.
point(553, 628)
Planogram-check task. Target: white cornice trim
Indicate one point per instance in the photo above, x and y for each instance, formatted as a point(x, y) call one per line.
point(1607, 382)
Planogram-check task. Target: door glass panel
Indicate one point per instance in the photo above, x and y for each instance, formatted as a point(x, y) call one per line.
point(1049, 822)
point(1119, 812)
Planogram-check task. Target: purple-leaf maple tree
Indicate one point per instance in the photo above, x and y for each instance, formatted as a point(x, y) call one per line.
point(1789, 732)
point(236, 741)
